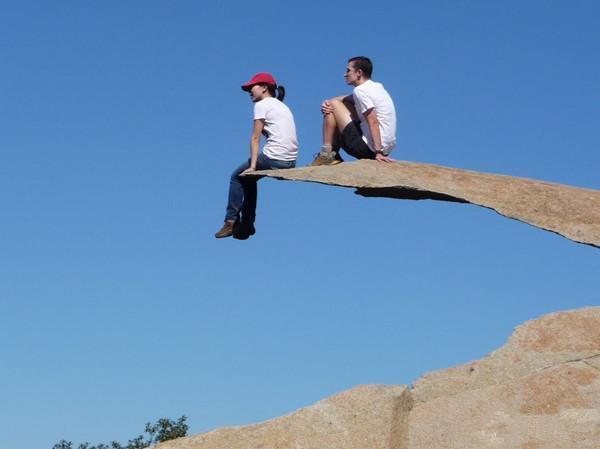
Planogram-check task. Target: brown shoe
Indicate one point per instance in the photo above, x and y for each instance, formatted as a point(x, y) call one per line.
point(326, 160)
point(226, 230)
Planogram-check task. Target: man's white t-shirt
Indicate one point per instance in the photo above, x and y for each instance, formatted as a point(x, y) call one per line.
point(282, 143)
point(371, 94)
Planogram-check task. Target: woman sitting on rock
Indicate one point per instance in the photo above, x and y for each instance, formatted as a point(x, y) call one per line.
point(275, 121)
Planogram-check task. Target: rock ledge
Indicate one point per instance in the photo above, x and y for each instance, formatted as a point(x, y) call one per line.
point(569, 211)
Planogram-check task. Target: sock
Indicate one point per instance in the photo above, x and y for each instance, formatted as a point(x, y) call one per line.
point(326, 151)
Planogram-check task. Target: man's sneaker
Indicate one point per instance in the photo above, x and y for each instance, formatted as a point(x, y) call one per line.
point(242, 231)
point(226, 230)
point(326, 160)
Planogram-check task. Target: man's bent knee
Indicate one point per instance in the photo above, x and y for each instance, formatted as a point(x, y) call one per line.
point(335, 103)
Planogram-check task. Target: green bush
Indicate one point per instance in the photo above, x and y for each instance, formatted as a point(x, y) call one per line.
point(162, 430)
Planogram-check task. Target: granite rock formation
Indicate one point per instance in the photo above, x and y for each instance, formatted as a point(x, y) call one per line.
point(370, 416)
point(539, 391)
point(569, 211)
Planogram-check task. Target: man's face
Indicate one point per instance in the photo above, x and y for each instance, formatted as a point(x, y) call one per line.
point(352, 76)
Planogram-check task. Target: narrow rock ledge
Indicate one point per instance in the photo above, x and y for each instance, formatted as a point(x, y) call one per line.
point(571, 212)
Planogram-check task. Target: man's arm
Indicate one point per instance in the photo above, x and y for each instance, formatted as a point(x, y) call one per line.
point(373, 124)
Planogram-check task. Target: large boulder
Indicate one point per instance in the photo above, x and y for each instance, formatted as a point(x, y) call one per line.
point(369, 416)
point(539, 391)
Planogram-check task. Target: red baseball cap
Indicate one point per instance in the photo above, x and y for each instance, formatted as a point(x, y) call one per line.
point(260, 78)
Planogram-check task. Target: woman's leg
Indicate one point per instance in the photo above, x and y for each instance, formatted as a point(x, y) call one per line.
point(236, 193)
point(249, 204)
point(251, 192)
point(250, 188)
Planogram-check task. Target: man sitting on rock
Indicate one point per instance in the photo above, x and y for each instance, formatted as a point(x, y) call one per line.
point(363, 124)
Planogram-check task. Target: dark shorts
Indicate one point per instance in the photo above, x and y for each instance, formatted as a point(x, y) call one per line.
point(353, 143)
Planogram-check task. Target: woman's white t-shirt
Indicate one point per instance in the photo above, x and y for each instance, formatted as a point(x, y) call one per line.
point(282, 143)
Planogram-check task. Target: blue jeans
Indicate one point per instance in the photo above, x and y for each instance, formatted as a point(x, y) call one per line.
point(242, 190)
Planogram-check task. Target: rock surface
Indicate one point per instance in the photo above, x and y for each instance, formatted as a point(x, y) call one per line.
point(569, 211)
point(539, 391)
point(370, 416)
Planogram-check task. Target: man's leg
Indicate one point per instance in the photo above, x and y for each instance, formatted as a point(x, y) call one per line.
point(354, 143)
point(334, 122)
point(350, 134)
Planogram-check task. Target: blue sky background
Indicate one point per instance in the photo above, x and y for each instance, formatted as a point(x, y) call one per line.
point(120, 124)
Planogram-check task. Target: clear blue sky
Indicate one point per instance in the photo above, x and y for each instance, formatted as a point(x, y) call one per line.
point(120, 124)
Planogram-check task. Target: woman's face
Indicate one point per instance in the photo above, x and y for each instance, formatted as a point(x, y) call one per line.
point(257, 92)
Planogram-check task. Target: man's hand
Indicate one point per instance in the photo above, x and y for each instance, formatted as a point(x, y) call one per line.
point(248, 170)
point(383, 158)
point(326, 107)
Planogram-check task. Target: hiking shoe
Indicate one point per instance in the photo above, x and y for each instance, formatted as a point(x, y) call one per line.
point(326, 160)
point(242, 231)
point(226, 230)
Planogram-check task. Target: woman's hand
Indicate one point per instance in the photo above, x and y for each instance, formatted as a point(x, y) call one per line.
point(248, 170)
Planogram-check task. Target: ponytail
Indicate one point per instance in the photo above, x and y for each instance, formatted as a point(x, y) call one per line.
point(277, 92)
point(280, 93)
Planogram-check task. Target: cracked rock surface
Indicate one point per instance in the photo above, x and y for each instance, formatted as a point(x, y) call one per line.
point(539, 391)
point(569, 211)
